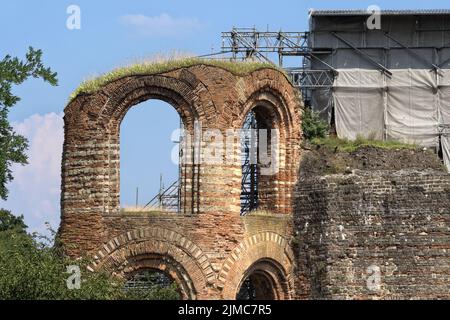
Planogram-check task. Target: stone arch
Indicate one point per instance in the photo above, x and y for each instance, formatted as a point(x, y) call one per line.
point(281, 113)
point(267, 248)
point(267, 279)
point(170, 267)
point(93, 124)
point(283, 116)
point(158, 248)
point(181, 95)
point(218, 97)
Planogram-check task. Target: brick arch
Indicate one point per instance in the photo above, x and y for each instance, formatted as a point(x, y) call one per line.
point(97, 117)
point(165, 264)
point(176, 87)
point(91, 169)
point(268, 279)
point(268, 247)
point(281, 113)
point(278, 86)
point(286, 117)
point(158, 248)
point(191, 102)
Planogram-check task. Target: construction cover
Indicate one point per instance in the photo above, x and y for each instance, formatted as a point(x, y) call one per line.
point(411, 105)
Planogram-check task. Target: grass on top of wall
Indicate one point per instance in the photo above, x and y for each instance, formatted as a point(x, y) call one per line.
point(158, 65)
point(141, 211)
point(361, 142)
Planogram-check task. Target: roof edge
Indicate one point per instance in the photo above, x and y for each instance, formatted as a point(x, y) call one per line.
point(359, 12)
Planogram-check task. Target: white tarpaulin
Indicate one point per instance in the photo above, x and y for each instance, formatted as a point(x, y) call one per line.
point(444, 115)
point(412, 106)
point(358, 100)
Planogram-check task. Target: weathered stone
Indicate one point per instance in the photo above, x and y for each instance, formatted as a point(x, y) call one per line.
point(192, 247)
point(324, 238)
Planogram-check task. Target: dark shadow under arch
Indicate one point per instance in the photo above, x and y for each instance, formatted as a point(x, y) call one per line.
point(165, 264)
point(264, 280)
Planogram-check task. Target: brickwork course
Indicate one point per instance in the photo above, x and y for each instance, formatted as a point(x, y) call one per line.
point(311, 239)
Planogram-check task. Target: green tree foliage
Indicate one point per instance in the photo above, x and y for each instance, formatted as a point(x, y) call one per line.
point(32, 269)
point(313, 126)
point(14, 71)
point(156, 292)
point(152, 285)
point(10, 222)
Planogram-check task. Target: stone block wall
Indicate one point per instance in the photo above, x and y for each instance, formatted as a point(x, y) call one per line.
point(374, 235)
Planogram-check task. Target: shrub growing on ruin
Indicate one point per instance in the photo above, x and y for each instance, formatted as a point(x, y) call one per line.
point(313, 127)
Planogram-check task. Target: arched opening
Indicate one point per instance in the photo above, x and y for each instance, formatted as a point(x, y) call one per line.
point(257, 286)
point(152, 284)
point(259, 160)
point(156, 275)
point(149, 154)
point(264, 280)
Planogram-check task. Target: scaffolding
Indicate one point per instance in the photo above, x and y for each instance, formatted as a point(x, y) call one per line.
point(250, 172)
point(251, 44)
point(167, 199)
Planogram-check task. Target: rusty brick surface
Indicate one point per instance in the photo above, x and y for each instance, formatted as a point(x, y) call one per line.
point(318, 236)
point(209, 245)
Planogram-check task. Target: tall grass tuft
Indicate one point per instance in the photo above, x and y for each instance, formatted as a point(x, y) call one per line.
point(161, 63)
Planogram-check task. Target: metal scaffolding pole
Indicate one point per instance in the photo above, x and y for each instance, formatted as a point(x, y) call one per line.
point(250, 44)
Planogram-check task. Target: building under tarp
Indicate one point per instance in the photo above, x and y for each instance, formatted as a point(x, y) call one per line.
point(391, 82)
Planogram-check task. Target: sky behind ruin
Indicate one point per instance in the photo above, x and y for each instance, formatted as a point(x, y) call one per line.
point(114, 34)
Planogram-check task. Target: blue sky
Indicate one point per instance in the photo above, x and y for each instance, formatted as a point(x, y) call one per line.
point(114, 33)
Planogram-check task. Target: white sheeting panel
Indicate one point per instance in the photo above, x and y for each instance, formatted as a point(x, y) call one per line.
point(412, 115)
point(446, 151)
point(444, 115)
point(358, 78)
point(409, 106)
point(358, 101)
point(357, 113)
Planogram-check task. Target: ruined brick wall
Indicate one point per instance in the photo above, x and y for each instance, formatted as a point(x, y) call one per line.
point(316, 242)
point(208, 248)
point(351, 226)
point(214, 251)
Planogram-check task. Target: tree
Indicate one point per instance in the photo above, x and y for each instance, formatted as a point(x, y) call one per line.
point(14, 71)
point(313, 126)
point(9, 221)
point(33, 269)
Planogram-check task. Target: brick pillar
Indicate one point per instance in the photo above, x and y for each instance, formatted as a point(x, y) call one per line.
point(85, 193)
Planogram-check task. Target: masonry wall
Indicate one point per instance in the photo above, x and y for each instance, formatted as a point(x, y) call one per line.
point(208, 249)
point(204, 251)
point(352, 227)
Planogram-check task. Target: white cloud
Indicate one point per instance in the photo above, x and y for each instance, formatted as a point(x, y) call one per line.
point(163, 25)
point(35, 190)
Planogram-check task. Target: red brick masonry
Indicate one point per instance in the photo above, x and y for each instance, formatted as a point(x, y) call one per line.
point(208, 249)
point(364, 235)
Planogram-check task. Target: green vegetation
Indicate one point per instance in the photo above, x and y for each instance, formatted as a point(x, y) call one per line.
point(313, 127)
point(153, 285)
point(12, 146)
point(32, 269)
point(158, 66)
point(156, 293)
point(350, 146)
point(141, 211)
